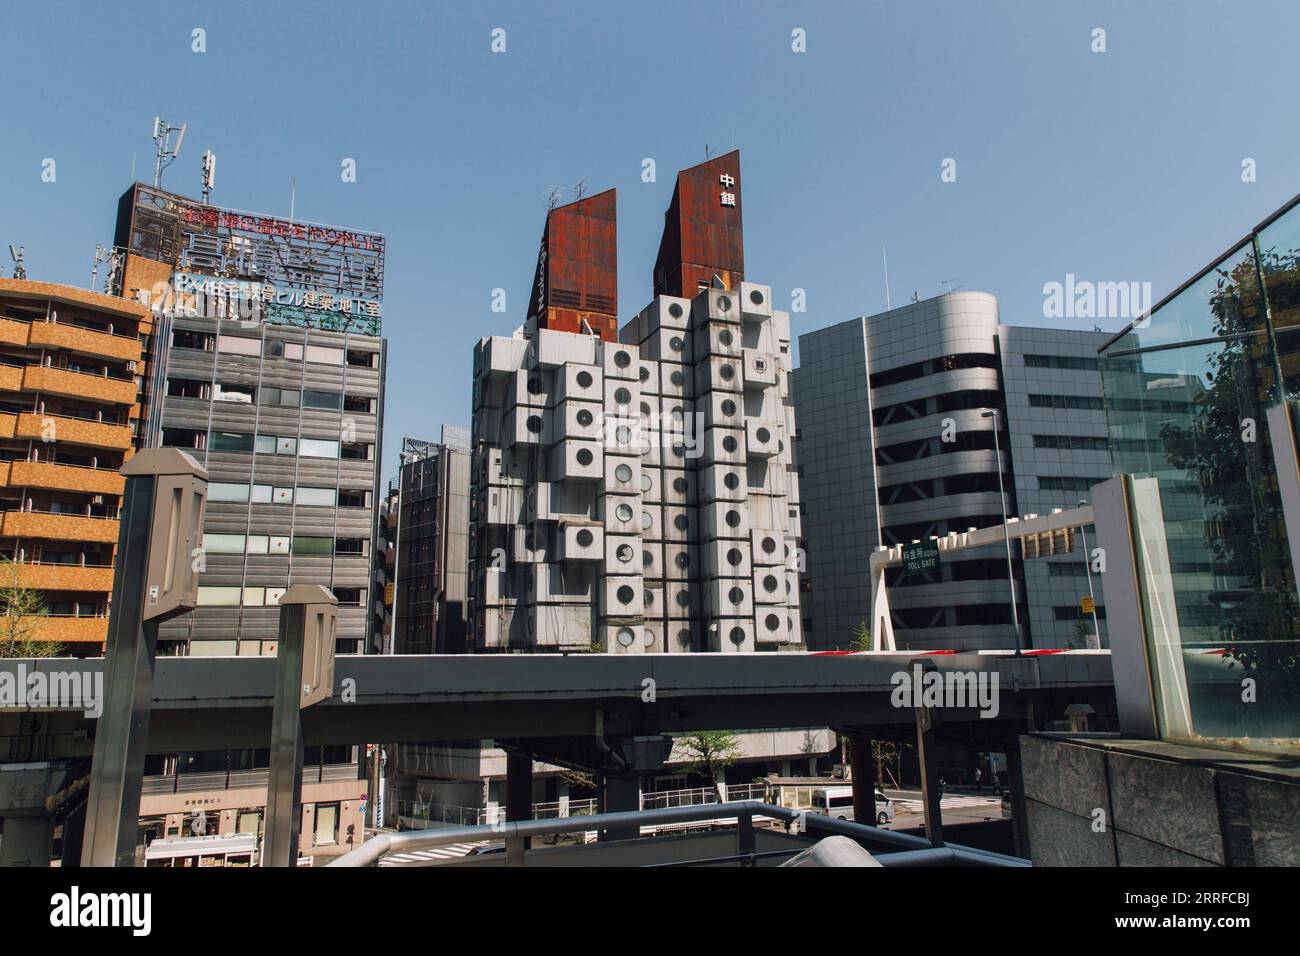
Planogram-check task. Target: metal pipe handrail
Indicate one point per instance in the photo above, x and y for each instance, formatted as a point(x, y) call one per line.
point(370, 852)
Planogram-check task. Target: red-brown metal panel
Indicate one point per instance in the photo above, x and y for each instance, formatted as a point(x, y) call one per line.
point(577, 270)
point(703, 234)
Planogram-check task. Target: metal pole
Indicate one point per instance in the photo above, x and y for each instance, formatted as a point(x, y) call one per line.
point(122, 732)
point(284, 781)
point(1087, 569)
point(1006, 531)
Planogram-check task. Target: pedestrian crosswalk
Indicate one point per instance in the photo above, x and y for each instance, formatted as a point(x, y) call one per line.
point(435, 854)
point(952, 802)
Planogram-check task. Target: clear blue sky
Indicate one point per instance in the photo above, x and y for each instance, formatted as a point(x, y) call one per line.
point(1117, 166)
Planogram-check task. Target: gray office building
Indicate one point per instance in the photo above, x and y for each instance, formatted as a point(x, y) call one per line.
point(288, 423)
point(894, 446)
point(429, 560)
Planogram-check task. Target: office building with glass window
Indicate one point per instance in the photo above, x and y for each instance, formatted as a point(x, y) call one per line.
point(268, 367)
point(896, 444)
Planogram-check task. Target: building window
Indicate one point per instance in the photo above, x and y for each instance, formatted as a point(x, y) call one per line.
point(314, 398)
point(318, 448)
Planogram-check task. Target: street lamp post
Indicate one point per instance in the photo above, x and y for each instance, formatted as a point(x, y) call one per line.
point(1006, 531)
point(1087, 568)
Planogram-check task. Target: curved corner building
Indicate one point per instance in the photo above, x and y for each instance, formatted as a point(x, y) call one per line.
point(893, 447)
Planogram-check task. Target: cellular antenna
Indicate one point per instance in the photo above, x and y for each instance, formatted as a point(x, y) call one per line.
point(209, 174)
point(16, 253)
point(166, 150)
point(102, 254)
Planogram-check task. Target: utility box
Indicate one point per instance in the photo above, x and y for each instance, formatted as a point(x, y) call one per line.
point(176, 530)
point(312, 613)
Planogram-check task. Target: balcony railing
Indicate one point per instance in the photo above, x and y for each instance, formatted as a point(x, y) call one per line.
point(61, 477)
point(56, 526)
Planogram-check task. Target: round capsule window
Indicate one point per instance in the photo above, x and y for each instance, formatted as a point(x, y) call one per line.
point(644, 374)
point(675, 343)
point(731, 480)
point(729, 444)
point(763, 435)
point(681, 522)
point(683, 599)
point(622, 396)
point(584, 417)
point(683, 559)
point(625, 636)
point(733, 519)
point(756, 297)
point(625, 594)
point(646, 481)
point(585, 379)
point(647, 521)
point(625, 553)
point(534, 385)
point(623, 473)
point(677, 378)
point(768, 545)
point(734, 557)
point(623, 513)
point(584, 456)
point(624, 435)
point(675, 310)
point(622, 359)
point(737, 635)
point(684, 637)
point(648, 598)
point(680, 485)
point(772, 622)
point(728, 407)
point(647, 559)
point(726, 373)
point(770, 583)
point(736, 596)
point(724, 303)
point(584, 538)
point(725, 337)
point(534, 424)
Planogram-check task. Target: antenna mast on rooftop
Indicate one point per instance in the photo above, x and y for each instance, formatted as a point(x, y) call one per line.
point(102, 254)
point(20, 270)
point(580, 189)
point(209, 174)
point(167, 152)
point(553, 196)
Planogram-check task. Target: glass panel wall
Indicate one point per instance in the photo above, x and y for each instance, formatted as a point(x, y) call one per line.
point(1186, 395)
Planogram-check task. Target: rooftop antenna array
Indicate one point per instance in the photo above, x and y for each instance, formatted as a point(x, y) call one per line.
point(209, 173)
point(580, 189)
point(948, 285)
point(166, 151)
point(553, 195)
point(16, 253)
point(102, 254)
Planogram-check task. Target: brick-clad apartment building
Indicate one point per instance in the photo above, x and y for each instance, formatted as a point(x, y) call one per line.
point(70, 362)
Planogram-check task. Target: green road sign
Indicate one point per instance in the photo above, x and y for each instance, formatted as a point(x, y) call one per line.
point(918, 558)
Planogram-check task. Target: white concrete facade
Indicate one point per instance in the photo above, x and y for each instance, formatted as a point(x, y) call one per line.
point(638, 496)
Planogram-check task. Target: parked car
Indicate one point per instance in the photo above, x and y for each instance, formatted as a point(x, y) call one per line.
point(838, 802)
